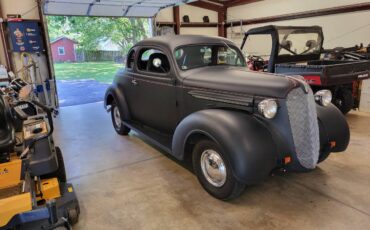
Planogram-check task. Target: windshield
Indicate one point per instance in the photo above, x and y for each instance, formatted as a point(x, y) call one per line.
point(299, 42)
point(195, 56)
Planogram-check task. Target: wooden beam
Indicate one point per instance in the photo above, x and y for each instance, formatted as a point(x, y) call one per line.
point(239, 2)
point(165, 24)
point(176, 19)
point(217, 2)
point(207, 5)
point(308, 14)
point(189, 24)
point(4, 39)
point(199, 24)
point(221, 22)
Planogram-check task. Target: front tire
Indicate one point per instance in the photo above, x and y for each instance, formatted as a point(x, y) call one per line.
point(214, 172)
point(118, 125)
point(344, 100)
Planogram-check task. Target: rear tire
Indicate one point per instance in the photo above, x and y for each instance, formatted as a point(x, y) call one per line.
point(118, 125)
point(214, 172)
point(344, 100)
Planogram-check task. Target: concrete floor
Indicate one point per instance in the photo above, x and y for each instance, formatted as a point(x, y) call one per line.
point(124, 183)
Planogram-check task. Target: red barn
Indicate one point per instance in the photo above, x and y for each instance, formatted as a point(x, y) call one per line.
point(63, 50)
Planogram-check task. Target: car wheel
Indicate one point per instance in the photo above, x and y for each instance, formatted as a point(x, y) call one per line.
point(214, 171)
point(344, 100)
point(118, 125)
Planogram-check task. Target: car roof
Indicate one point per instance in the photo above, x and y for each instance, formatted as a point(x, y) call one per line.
point(174, 41)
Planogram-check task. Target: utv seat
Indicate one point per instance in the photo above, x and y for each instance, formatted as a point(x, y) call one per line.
point(286, 44)
point(310, 44)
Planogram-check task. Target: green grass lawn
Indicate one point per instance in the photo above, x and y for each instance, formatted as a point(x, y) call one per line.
point(100, 71)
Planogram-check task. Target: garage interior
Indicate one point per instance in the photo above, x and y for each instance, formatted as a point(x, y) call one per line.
point(125, 182)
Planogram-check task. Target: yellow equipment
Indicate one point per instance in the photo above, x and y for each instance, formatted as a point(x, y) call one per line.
point(33, 189)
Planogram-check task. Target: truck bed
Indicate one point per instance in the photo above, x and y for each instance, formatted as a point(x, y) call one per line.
point(326, 73)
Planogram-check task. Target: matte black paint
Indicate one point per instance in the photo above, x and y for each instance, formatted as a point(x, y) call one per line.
point(250, 147)
point(335, 127)
point(217, 102)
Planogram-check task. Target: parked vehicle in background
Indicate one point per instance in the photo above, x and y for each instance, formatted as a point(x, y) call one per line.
point(193, 97)
point(292, 50)
point(348, 53)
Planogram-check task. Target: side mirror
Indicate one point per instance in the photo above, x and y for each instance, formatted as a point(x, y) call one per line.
point(157, 62)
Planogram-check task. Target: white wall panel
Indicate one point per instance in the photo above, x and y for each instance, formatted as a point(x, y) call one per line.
point(208, 31)
point(345, 29)
point(276, 7)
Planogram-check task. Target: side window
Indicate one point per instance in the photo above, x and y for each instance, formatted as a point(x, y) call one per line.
point(130, 59)
point(153, 60)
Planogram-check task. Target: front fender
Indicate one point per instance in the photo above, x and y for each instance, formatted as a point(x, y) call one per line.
point(114, 93)
point(248, 145)
point(333, 127)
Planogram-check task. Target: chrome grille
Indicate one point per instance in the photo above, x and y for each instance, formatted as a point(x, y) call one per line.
point(304, 126)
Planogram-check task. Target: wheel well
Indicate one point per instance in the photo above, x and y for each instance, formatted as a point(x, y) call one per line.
point(109, 99)
point(190, 143)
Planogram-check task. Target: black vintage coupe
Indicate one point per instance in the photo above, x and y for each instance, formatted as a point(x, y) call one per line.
point(193, 97)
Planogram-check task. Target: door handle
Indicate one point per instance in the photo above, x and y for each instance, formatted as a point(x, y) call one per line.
point(134, 82)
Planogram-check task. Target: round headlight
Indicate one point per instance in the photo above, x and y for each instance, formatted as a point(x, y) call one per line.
point(323, 97)
point(268, 108)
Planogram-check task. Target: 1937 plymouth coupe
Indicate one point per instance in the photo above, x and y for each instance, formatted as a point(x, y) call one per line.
point(193, 97)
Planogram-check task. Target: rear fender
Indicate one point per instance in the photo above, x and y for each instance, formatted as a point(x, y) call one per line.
point(250, 148)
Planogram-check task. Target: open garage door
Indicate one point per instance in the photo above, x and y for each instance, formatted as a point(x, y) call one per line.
point(84, 62)
point(111, 8)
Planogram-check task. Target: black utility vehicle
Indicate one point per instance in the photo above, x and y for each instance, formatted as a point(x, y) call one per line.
point(293, 50)
point(193, 97)
point(354, 53)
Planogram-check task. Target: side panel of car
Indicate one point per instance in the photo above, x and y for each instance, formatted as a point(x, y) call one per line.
point(155, 89)
point(157, 100)
point(247, 143)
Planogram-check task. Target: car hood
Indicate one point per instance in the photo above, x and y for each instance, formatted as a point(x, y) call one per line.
point(239, 80)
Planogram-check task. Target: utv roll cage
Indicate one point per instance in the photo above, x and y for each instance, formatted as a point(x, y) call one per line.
point(274, 31)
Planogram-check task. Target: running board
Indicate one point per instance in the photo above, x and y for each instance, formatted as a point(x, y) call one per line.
point(161, 140)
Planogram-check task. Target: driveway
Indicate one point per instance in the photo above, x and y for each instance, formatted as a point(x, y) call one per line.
point(78, 92)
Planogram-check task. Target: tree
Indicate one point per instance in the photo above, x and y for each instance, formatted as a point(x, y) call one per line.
point(89, 31)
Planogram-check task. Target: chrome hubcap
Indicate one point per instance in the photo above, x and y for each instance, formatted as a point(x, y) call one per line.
point(213, 168)
point(117, 117)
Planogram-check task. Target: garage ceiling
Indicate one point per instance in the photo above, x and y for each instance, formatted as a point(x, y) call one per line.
point(109, 8)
